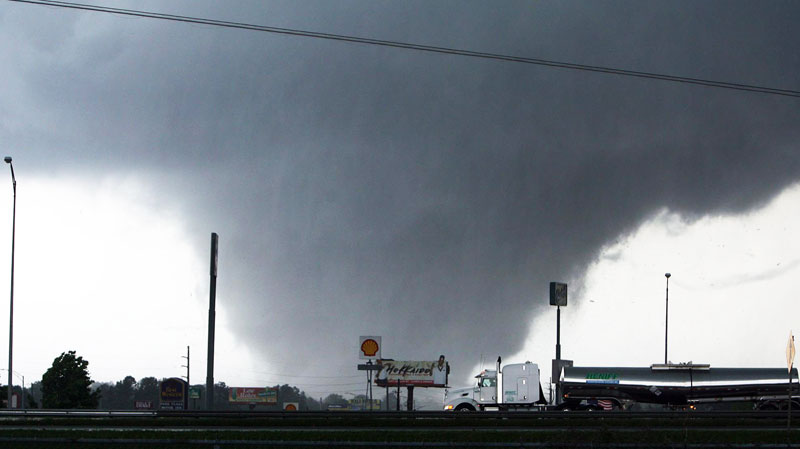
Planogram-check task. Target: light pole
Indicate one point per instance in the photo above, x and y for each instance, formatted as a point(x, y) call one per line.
point(666, 320)
point(558, 298)
point(11, 314)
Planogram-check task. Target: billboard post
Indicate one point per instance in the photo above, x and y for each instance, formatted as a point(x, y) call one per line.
point(398, 395)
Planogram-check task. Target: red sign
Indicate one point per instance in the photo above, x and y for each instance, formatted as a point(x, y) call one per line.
point(253, 395)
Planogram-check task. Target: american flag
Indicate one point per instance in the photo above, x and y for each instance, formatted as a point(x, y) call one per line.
point(605, 404)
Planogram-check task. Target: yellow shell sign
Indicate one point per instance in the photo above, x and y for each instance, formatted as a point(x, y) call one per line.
point(370, 347)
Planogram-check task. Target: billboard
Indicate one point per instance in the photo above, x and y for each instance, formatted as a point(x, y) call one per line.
point(412, 373)
point(251, 395)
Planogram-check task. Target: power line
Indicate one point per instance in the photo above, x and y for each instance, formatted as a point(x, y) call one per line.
point(301, 385)
point(307, 377)
point(420, 47)
point(296, 384)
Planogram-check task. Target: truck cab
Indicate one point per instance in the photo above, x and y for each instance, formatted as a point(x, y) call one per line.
point(475, 397)
point(520, 389)
point(487, 386)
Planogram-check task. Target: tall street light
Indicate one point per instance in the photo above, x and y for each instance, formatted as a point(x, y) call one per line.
point(11, 314)
point(666, 320)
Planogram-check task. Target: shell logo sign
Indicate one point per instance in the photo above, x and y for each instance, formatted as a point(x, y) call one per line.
point(369, 347)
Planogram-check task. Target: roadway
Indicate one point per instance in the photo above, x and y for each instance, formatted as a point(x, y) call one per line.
point(71, 428)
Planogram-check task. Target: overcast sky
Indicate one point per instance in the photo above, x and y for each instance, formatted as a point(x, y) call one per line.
point(426, 198)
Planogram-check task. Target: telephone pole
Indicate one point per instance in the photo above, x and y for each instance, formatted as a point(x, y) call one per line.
point(212, 299)
point(188, 382)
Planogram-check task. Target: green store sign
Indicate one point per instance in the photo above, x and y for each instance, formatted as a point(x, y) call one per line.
point(602, 376)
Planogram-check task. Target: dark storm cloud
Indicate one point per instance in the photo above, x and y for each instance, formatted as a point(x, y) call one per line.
point(423, 197)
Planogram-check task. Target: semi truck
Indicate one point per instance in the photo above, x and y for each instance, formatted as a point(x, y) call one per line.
point(517, 386)
point(521, 389)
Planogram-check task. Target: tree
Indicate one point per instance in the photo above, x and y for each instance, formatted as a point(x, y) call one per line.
point(104, 390)
point(221, 397)
point(288, 393)
point(119, 396)
point(334, 399)
point(66, 384)
point(148, 389)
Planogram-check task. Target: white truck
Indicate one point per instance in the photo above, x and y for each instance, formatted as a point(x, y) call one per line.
point(521, 390)
point(518, 387)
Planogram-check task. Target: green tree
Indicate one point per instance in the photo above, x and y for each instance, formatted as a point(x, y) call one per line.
point(148, 389)
point(221, 397)
point(334, 399)
point(104, 390)
point(66, 384)
point(119, 396)
point(288, 393)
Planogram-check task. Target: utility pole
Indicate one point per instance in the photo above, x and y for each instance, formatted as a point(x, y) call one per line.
point(188, 382)
point(212, 299)
point(187, 365)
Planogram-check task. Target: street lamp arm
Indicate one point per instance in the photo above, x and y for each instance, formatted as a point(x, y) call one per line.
point(20, 376)
point(13, 178)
